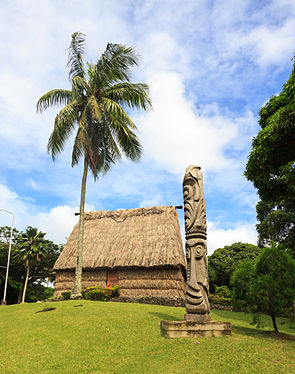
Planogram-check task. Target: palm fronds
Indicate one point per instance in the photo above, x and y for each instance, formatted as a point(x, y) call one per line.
point(134, 95)
point(80, 88)
point(63, 126)
point(54, 97)
point(114, 65)
point(117, 113)
point(95, 107)
point(75, 57)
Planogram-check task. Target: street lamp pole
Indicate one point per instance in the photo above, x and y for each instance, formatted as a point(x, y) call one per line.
point(4, 302)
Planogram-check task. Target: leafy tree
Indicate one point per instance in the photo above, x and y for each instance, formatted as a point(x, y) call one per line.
point(268, 287)
point(38, 291)
point(223, 262)
point(31, 251)
point(5, 235)
point(271, 168)
point(241, 281)
point(39, 273)
point(15, 267)
point(222, 291)
point(94, 109)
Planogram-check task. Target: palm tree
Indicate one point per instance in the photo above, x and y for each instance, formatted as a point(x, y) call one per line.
point(94, 108)
point(31, 250)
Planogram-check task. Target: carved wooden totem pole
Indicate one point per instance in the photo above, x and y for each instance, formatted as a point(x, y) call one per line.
point(197, 289)
point(197, 321)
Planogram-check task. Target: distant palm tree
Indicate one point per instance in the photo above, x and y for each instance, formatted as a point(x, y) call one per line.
point(31, 249)
point(93, 108)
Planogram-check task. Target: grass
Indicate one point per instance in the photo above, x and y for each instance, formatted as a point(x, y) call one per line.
point(116, 338)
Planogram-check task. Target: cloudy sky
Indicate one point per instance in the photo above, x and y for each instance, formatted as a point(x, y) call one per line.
point(210, 66)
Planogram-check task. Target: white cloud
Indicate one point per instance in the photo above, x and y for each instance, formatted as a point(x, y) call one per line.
point(175, 134)
point(270, 45)
point(219, 237)
point(10, 201)
point(198, 58)
point(57, 222)
point(31, 183)
point(247, 198)
point(154, 201)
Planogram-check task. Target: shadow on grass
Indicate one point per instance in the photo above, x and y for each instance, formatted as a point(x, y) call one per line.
point(239, 316)
point(247, 318)
point(45, 310)
point(261, 334)
point(166, 317)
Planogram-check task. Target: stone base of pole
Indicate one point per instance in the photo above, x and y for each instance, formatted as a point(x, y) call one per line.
point(3, 302)
point(197, 317)
point(192, 329)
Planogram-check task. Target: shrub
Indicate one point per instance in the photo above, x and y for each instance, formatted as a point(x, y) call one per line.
point(215, 299)
point(241, 280)
point(66, 295)
point(222, 291)
point(38, 292)
point(101, 294)
point(267, 286)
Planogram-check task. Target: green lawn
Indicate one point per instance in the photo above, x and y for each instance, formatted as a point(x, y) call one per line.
point(125, 338)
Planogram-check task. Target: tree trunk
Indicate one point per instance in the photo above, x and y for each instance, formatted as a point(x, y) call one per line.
point(274, 322)
point(26, 284)
point(77, 287)
point(20, 292)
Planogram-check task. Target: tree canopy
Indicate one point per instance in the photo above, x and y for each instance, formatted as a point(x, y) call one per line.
point(223, 262)
point(40, 271)
point(267, 286)
point(31, 250)
point(94, 109)
point(271, 167)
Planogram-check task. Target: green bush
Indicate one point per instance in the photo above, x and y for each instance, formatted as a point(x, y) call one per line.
point(101, 294)
point(222, 291)
point(38, 292)
point(215, 299)
point(66, 295)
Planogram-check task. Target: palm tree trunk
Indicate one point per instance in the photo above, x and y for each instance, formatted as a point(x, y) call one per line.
point(77, 287)
point(26, 284)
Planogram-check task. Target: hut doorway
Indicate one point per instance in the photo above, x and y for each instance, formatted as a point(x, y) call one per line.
point(112, 278)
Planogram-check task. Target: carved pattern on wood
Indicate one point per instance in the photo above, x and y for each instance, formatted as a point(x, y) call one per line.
point(197, 290)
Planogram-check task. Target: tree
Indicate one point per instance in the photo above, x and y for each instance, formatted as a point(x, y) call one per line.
point(15, 267)
point(271, 168)
point(40, 272)
point(94, 107)
point(268, 287)
point(223, 262)
point(241, 281)
point(31, 251)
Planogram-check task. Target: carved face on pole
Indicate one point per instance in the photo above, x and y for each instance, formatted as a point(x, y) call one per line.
point(196, 254)
point(194, 205)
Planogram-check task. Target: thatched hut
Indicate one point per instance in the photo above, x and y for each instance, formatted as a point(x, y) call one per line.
point(139, 249)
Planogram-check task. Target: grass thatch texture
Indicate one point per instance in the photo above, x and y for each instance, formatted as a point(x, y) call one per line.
point(143, 237)
point(163, 282)
point(118, 338)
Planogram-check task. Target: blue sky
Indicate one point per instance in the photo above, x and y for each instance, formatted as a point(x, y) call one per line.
point(210, 65)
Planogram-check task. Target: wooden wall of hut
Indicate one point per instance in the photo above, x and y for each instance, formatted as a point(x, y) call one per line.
point(135, 282)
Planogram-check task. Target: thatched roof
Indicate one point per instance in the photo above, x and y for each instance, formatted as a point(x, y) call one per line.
point(143, 237)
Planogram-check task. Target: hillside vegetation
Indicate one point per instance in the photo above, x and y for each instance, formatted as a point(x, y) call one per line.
point(99, 337)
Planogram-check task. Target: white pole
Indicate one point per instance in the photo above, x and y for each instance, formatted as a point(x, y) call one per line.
point(3, 302)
